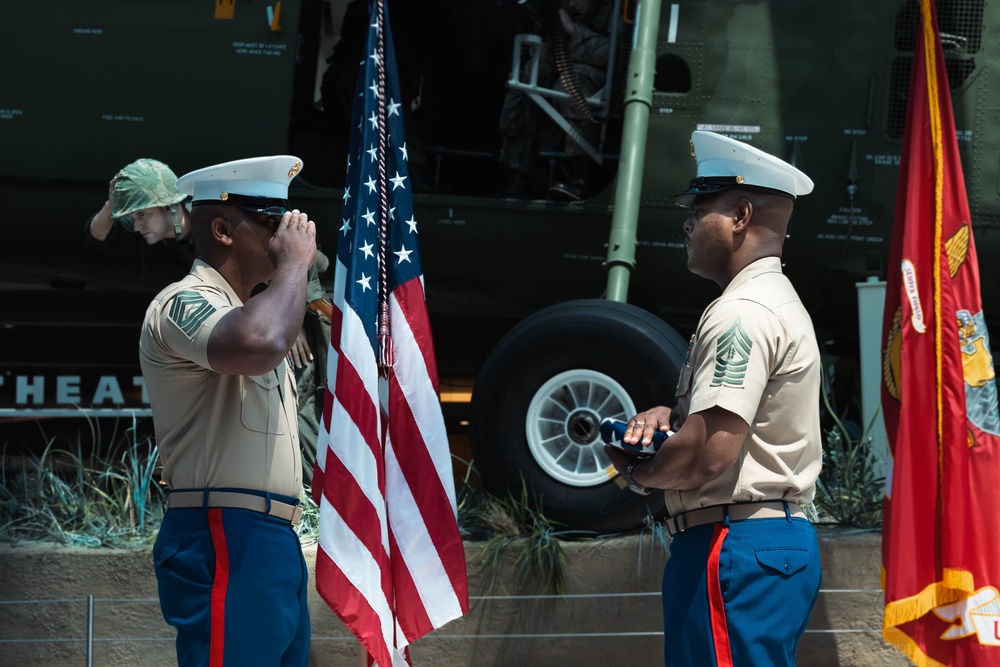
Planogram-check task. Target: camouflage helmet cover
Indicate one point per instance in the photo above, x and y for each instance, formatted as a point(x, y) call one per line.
point(145, 183)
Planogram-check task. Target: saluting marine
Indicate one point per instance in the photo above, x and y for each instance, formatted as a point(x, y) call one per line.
point(231, 575)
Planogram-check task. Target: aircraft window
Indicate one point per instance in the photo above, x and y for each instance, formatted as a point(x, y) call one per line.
point(960, 22)
point(899, 88)
point(672, 75)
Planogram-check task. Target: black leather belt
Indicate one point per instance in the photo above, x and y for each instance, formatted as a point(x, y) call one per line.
point(778, 509)
point(236, 500)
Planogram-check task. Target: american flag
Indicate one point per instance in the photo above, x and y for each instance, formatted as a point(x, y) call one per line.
point(390, 562)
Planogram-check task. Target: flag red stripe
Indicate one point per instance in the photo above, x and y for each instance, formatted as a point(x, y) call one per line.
point(354, 507)
point(425, 485)
point(353, 396)
point(323, 440)
point(352, 607)
point(409, 298)
point(411, 613)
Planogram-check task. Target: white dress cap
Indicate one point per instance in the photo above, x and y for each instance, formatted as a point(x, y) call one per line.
point(265, 177)
point(726, 163)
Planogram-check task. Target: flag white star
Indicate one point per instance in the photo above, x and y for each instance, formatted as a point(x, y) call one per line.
point(371, 184)
point(374, 55)
point(365, 282)
point(406, 158)
point(369, 216)
point(393, 108)
point(374, 120)
point(347, 194)
point(367, 249)
point(374, 89)
point(371, 151)
point(392, 213)
point(347, 226)
point(412, 222)
point(398, 181)
point(403, 254)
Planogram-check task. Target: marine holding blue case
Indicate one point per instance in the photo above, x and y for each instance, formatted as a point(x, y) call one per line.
point(612, 431)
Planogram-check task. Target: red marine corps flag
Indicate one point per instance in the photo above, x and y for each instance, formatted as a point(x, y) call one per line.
point(941, 532)
point(390, 562)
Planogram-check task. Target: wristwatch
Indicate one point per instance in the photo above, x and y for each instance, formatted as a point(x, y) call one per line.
point(632, 486)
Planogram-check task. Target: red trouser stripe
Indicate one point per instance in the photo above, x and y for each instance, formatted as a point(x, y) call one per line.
point(217, 639)
point(716, 609)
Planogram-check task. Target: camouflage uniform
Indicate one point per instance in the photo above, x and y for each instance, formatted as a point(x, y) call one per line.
point(311, 380)
point(588, 49)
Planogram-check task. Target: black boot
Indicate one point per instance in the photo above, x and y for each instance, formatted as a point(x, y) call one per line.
point(571, 179)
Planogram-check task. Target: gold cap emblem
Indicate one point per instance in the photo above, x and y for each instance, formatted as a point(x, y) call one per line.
point(295, 169)
point(223, 196)
point(739, 180)
point(692, 149)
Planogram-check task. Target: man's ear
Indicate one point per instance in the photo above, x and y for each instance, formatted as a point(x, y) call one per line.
point(744, 211)
point(222, 230)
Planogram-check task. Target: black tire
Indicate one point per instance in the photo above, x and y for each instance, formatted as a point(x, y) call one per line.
point(611, 354)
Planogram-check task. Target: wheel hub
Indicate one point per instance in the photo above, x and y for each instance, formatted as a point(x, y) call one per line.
point(563, 425)
point(583, 427)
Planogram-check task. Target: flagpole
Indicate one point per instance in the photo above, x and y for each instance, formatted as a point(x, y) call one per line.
point(362, 655)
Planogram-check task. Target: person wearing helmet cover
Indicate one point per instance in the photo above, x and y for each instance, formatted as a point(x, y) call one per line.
point(143, 201)
point(145, 207)
point(744, 568)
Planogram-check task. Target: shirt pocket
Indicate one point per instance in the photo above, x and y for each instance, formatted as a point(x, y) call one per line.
point(262, 410)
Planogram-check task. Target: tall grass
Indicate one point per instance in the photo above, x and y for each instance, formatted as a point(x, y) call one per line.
point(849, 490)
point(516, 538)
point(109, 496)
point(100, 492)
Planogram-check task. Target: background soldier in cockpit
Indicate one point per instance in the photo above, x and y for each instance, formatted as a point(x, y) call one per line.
point(576, 33)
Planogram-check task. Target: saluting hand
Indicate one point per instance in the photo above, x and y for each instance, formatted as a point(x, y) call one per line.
point(294, 240)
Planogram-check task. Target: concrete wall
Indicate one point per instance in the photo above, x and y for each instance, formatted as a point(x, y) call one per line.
point(609, 615)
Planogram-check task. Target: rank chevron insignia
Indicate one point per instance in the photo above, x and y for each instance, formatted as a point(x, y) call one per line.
point(732, 356)
point(189, 310)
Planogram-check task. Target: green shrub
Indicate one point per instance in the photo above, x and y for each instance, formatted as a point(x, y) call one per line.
point(106, 497)
point(849, 490)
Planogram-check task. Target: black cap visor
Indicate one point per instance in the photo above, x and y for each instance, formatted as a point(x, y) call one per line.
point(710, 185)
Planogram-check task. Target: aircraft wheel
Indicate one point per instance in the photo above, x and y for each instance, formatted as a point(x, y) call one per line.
point(542, 393)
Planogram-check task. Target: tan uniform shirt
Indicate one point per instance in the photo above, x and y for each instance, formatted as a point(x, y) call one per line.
point(755, 354)
point(214, 430)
